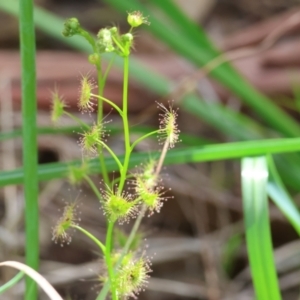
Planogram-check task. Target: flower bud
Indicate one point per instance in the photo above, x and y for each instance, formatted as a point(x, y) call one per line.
point(113, 30)
point(94, 59)
point(105, 41)
point(136, 19)
point(127, 40)
point(71, 27)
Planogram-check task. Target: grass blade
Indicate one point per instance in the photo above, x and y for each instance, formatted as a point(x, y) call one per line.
point(30, 156)
point(281, 197)
point(176, 156)
point(258, 234)
point(11, 282)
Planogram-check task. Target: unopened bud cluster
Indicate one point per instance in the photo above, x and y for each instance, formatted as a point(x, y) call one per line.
point(108, 39)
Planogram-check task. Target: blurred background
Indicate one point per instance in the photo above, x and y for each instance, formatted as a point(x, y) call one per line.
point(196, 242)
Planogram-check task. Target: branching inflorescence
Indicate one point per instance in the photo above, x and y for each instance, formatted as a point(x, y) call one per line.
point(126, 271)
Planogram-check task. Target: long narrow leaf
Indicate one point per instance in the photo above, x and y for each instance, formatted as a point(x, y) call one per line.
point(258, 235)
point(176, 156)
point(281, 197)
point(30, 160)
point(186, 139)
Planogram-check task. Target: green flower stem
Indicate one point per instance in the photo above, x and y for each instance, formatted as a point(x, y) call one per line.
point(113, 155)
point(88, 38)
point(110, 103)
point(11, 282)
point(92, 237)
point(103, 166)
point(133, 232)
point(100, 92)
point(105, 289)
point(142, 138)
point(99, 120)
point(119, 45)
point(106, 73)
point(123, 171)
point(162, 157)
point(108, 260)
point(93, 187)
point(29, 132)
point(109, 234)
point(77, 120)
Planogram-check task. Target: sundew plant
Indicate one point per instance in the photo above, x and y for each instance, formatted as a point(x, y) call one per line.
point(131, 195)
point(266, 142)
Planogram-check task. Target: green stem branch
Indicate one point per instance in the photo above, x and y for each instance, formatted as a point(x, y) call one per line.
point(113, 155)
point(142, 138)
point(29, 131)
point(162, 157)
point(92, 237)
point(125, 125)
point(93, 187)
point(109, 264)
point(99, 121)
point(109, 102)
point(77, 120)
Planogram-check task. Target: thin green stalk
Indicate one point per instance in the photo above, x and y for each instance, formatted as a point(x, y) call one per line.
point(11, 282)
point(89, 39)
point(93, 187)
point(119, 45)
point(110, 103)
point(103, 165)
point(92, 237)
point(109, 264)
point(77, 120)
point(133, 232)
point(125, 124)
point(99, 121)
point(112, 154)
point(142, 138)
point(106, 73)
point(162, 156)
point(30, 158)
